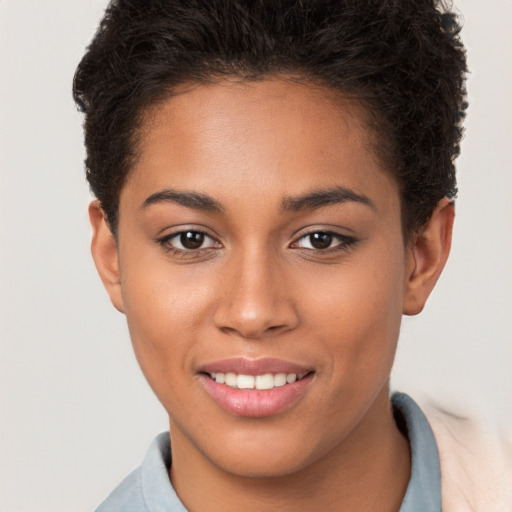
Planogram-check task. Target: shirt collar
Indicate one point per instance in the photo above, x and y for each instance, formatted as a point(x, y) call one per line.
point(424, 490)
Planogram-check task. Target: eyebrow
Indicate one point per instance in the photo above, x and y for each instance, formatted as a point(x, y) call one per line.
point(325, 197)
point(193, 200)
point(310, 201)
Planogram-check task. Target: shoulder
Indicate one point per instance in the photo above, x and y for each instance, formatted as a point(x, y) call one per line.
point(126, 497)
point(476, 463)
point(148, 488)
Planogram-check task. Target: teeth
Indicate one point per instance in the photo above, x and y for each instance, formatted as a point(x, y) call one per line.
point(230, 379)
point(280, 379)
point(245, 382)
point(266, 381)
point(291, 377)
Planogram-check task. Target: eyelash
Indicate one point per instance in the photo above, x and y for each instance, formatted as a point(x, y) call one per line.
point(165, 243)
point(344, 242)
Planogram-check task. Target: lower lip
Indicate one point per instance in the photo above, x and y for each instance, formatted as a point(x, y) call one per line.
point(256, 403)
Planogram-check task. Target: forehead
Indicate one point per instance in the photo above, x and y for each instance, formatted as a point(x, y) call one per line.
point(257, 137)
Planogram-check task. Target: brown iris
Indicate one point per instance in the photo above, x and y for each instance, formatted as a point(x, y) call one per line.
point(320, 240)
point(192, 239)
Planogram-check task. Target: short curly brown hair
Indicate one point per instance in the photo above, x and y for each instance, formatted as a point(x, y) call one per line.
point(401, 59)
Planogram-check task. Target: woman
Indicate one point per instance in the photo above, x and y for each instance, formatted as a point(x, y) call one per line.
point(275, 185)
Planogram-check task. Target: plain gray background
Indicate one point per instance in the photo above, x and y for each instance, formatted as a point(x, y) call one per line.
point(76, 413)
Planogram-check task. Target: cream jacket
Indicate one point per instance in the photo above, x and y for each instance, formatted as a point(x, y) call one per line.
point(476, 464)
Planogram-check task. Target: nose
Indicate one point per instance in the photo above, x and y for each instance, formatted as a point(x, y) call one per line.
point(255, 298)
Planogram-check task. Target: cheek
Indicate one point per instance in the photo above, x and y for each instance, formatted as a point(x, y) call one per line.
point(358, 313)
point(165, 311)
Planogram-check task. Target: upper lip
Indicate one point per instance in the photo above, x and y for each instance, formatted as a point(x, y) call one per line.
point(246, 366)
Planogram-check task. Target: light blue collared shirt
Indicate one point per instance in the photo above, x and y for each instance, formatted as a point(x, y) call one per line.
point(424, 490)
point(148, 488)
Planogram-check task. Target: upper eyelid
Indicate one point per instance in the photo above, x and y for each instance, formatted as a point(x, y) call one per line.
point(181, 231)
point(176, 231)
point(326, 231)
point(176, 234)
point(335, 229)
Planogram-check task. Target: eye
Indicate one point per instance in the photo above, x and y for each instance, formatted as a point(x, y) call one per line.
point(324, 240)
point(189, 240)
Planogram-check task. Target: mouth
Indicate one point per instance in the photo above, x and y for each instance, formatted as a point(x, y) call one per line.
point(256, 388)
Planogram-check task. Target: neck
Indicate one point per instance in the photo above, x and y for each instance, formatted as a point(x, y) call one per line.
point(354, 476)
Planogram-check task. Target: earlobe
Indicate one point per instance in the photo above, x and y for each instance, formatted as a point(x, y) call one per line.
point(427, 256)
point(104, 253)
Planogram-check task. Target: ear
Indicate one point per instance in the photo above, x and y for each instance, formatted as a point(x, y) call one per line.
point(427, 255)
point(104, 253)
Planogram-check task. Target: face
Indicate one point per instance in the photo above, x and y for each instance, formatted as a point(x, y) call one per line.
point(262, 273)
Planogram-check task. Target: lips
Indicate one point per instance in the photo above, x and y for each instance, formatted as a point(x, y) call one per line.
point(255, 388)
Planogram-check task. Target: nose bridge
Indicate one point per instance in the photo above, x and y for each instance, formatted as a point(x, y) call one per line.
point(254, 296)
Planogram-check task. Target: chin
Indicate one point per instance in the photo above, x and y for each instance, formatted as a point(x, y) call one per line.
point(264, 453)
point(262, 467)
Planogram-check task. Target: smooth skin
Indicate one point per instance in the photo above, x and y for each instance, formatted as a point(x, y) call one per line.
point(289, 266)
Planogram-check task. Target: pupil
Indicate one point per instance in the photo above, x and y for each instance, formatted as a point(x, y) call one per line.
point(320, 240)
point(192, 239)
